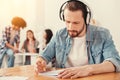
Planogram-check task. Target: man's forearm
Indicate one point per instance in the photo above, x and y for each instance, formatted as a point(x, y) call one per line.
point(9, 46)
point(104, 67)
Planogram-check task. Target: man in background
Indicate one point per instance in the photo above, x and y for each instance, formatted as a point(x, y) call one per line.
point(9, 43)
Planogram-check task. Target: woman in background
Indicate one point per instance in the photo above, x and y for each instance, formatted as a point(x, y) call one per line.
point(30, 45)
point(47, 35)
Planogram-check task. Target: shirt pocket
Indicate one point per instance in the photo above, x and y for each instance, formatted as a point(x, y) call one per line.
point(98, 56)
point(59, 48)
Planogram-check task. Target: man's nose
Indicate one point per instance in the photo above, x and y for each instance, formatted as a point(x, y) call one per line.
point(70, 26)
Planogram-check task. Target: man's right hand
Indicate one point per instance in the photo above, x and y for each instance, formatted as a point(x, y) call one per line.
point(15, 50)
point(40, 65)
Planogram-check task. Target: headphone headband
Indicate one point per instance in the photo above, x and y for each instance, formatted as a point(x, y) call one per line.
point(85, 9)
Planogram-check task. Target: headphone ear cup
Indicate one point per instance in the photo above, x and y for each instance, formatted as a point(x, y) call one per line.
point(88, 18)
point(61, 13)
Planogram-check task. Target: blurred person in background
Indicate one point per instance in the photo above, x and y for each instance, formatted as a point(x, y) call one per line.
point(30, 45)
point(47, 35)
point(9, 43)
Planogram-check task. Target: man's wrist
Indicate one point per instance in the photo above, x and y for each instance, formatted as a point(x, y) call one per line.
point(90, 69)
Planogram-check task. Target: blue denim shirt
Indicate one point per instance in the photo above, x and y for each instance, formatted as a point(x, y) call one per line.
point(100, 47)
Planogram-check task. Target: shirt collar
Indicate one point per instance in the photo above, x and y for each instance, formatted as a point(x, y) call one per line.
point(89, 34)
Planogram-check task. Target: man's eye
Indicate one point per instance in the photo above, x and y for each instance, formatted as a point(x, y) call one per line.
point(76, 23)
point(67, 22)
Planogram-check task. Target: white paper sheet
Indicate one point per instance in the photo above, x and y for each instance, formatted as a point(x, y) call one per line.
point(51, 73)
point(13, 78)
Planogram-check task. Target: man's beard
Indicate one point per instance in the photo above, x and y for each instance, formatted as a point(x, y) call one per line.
point(76, 32)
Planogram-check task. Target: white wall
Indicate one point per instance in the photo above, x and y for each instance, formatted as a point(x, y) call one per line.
point(52, 15)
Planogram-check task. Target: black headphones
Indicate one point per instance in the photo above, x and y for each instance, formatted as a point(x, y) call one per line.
point(85, 9)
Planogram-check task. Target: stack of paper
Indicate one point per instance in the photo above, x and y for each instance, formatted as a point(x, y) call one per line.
point(51, 73)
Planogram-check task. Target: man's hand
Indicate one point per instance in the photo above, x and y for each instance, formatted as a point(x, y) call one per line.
point(22, 50)
point(15, 50)
point(40, 65)
point(75, 72)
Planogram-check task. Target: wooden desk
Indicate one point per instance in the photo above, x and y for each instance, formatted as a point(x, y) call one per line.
point(28, 71)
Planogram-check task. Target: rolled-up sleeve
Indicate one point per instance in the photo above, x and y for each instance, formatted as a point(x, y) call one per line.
point(110, 53)
point(115, 62)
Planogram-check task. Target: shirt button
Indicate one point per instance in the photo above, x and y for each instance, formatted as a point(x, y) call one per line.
point(66, 54)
